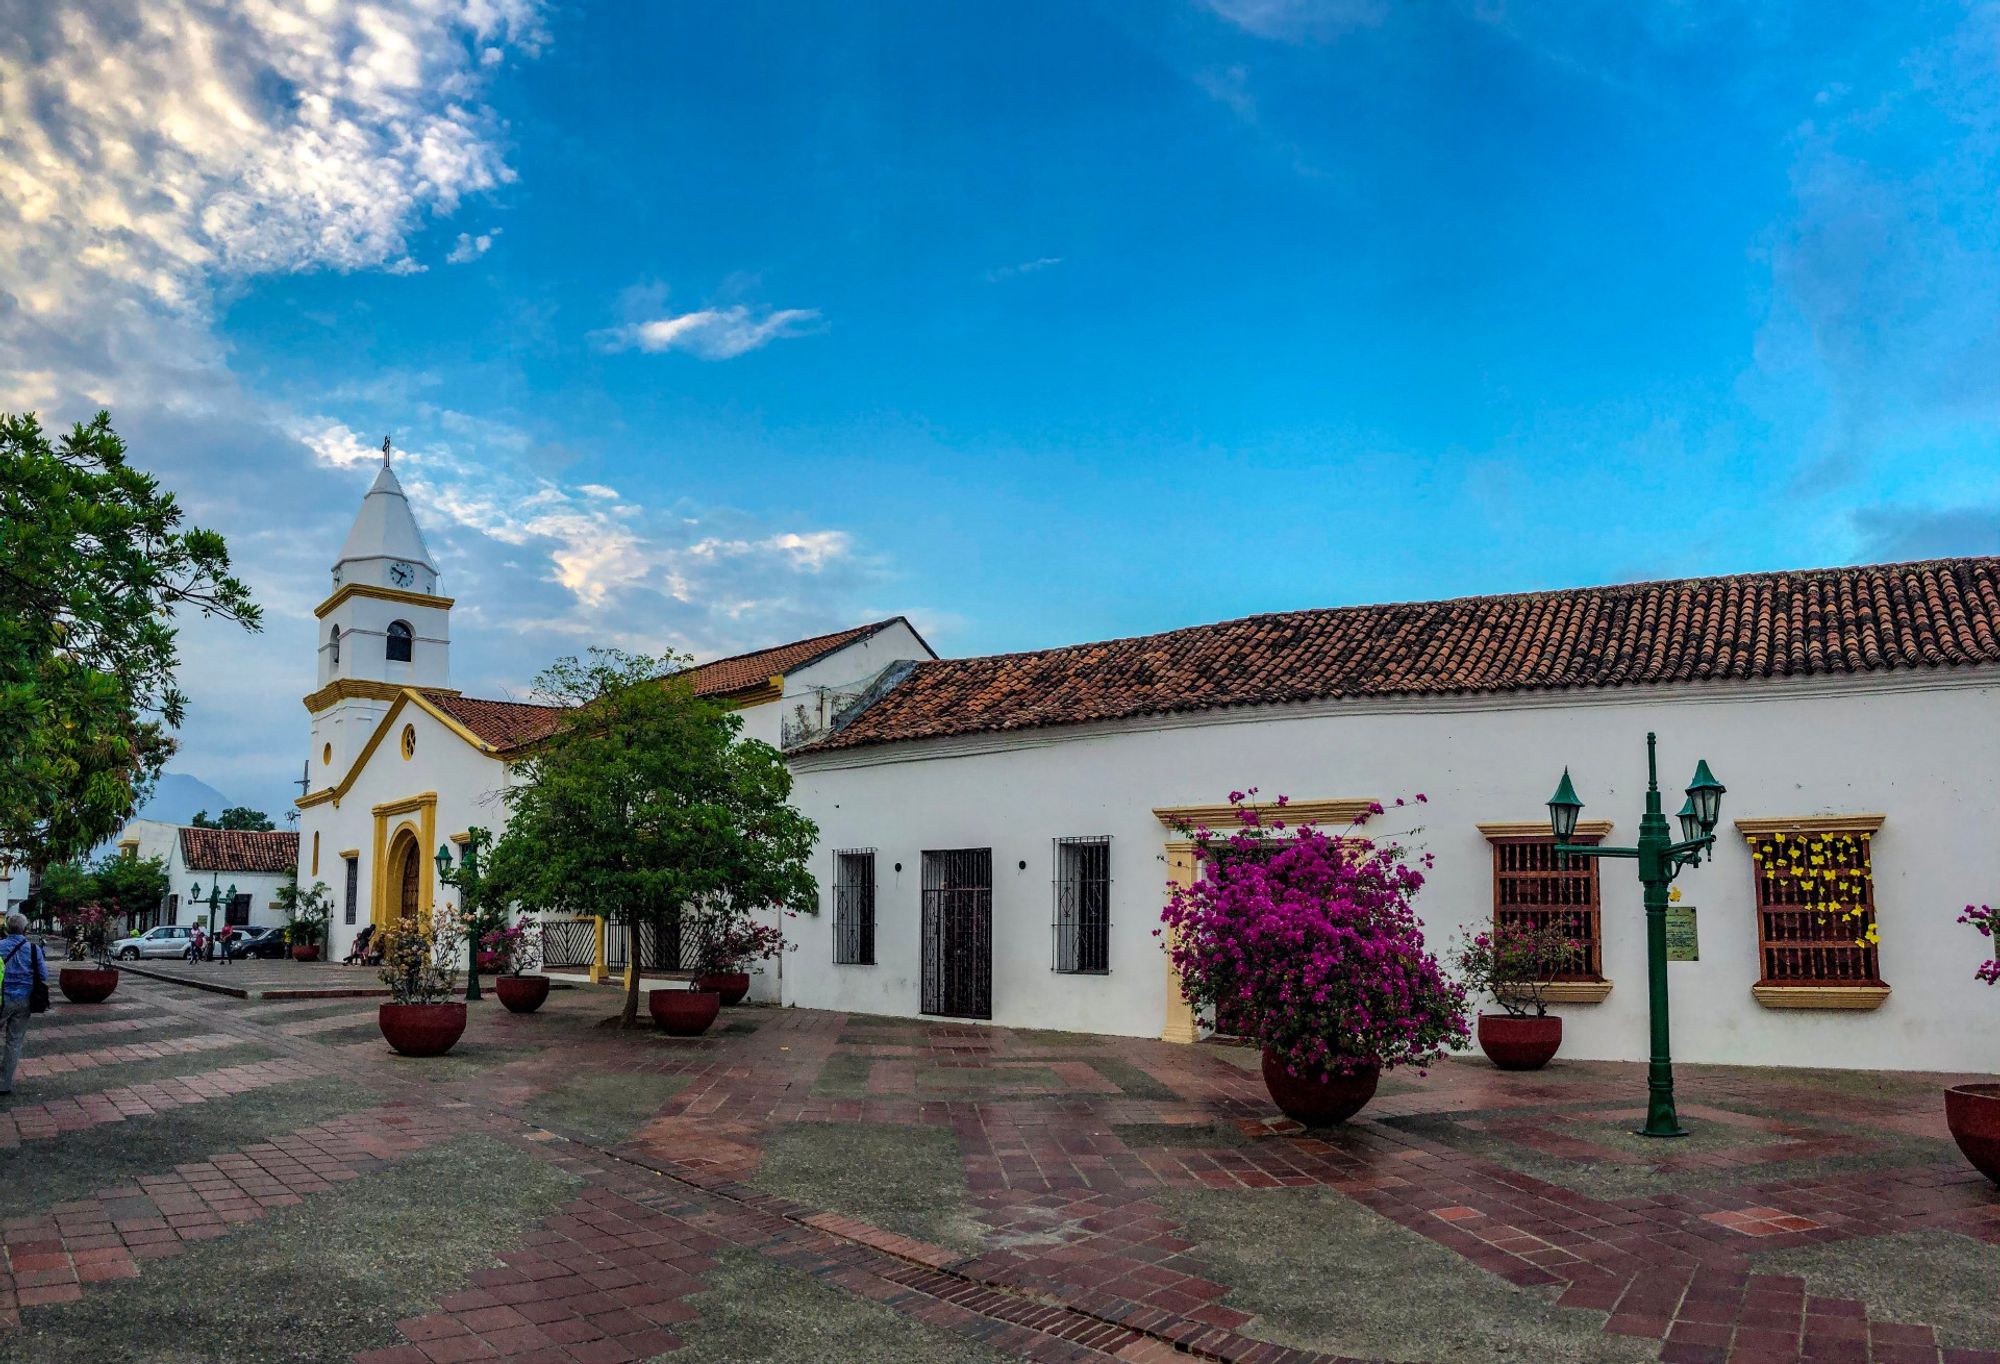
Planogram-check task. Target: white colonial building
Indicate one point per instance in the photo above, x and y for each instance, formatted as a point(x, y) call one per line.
point(998, 834)
point(402, 763)
point(245, 868)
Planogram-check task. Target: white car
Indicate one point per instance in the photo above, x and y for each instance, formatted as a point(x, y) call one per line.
point(168, 940)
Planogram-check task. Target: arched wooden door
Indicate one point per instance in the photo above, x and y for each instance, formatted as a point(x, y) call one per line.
point(404, 870)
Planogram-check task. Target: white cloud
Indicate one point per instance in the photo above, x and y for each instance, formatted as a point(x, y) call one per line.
point(1026, 267)
point(470, 248)
point(1294, 21)
point(154, 156)
point(711, 333)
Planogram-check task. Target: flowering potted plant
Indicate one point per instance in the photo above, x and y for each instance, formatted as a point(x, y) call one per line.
point(511, 954)
point(1513, 963)
point(1309, 944)
point(727, 950)
point(1973, 1111)
point(420, 967)
point(93, 979)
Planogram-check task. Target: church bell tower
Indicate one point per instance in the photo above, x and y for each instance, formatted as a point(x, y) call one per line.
point(383, 628)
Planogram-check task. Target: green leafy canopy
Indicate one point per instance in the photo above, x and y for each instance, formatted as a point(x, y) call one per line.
point(94, 566)
point(646, 801)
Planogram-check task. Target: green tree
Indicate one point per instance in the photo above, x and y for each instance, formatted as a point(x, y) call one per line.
point(94, 566)
point(235, 817)
point(64, 887)
point(130, 886)
point(644, 803)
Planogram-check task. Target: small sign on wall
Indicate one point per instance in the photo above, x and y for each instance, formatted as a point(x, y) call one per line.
point(1683, 936)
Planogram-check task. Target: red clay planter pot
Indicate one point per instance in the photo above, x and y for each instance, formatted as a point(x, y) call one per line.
point(1519, 1043)
point(1316, 1102)
point(731, 985)
point(422, 1029)
point(1973, 1114)
point(522, 994)
point(87, 984)
point(305, 951)
point(683, 1013)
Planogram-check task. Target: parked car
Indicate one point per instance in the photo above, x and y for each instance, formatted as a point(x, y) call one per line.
point(245, 941)
point(269, 943)
point(168, 940)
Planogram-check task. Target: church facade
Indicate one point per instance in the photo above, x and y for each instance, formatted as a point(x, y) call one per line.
point(402, 763)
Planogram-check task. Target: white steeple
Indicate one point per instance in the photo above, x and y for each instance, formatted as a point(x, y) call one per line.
point(384, 547)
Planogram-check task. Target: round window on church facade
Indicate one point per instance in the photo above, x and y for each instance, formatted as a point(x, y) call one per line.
point(409, 742)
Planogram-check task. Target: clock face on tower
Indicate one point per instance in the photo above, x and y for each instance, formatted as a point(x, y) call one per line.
point(402, 574)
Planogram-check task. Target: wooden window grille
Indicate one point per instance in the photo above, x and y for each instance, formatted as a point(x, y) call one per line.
point(173, 909)
point(854, 907)
point(1082, 924)
point(1535, 886)
point(353, 889)
point(238, 912)
point(1815, 909)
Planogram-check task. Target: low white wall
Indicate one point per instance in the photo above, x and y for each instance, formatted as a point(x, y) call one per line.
point(1927, 756)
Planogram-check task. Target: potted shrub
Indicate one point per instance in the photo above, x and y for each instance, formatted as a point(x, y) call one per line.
point(308, 912)
point(728, 950)
point(1973, 1111)
point(511, 955)
point(1310, 945)
point(91, 978)
point(420, 967)
point(1513, 963)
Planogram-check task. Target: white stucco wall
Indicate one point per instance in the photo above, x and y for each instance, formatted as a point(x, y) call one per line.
point(468, 784)
point(1924, 753)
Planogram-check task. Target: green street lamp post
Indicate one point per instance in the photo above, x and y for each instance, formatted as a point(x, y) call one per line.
point(214, 902)
point(467, 879)
point(1660, 860)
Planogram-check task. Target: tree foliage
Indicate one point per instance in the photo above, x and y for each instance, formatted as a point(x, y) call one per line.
point(123, 885)
point(645, 801)
point(235, 817)
point(94, 566)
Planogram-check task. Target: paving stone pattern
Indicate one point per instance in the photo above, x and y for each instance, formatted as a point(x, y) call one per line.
point(1064, 1144)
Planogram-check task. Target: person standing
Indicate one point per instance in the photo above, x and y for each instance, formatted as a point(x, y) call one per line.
point(197, 945)
point(25, 966)
point(223, 940)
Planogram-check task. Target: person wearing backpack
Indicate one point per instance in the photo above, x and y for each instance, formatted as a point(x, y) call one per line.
point(24, 990)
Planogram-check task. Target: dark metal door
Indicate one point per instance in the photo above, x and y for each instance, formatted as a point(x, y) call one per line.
point(958, 933)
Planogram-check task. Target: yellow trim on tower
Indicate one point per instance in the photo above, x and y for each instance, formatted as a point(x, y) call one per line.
point(353, 688)
point(394, 594)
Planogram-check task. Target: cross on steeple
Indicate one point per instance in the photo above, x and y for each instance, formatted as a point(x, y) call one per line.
point(385, 452)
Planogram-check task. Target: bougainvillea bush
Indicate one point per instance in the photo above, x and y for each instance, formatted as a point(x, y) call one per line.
point(1514, 962)
point(1986, 919)
point(1308, 943)
point(512, 951)
point(735, 942)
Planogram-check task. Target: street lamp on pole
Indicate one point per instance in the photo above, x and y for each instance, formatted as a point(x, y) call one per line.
point(1660, 860)
point(467, 879)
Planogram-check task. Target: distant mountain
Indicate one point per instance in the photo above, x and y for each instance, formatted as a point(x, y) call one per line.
point(178, 796)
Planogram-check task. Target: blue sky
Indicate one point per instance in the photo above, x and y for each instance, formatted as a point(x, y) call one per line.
point(710, 326)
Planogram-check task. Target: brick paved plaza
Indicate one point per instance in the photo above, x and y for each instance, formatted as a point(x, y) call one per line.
point(193, 1176)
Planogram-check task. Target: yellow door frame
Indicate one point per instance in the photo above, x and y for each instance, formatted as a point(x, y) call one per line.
point(392, 820)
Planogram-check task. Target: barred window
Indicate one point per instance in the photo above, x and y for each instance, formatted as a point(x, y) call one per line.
point(353, 888)
point(1083, 905)
point(1815, 908)
point(854, 907)
point(1535, 886)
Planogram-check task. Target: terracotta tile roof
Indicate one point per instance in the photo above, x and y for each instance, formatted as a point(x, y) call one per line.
point(503, 724)
point(241, 850)
point(513, 724)
point(742, 672)
point(1892, 617)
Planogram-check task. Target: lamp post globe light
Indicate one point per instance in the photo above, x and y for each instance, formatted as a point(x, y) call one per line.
point(466, 878)
point(1660, 860)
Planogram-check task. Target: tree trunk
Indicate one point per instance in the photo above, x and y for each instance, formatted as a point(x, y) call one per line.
point(630, 1018)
